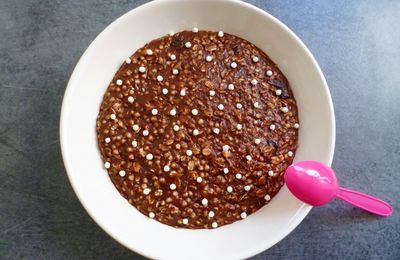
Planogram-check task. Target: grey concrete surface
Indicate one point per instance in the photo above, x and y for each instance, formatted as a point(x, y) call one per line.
point(357, 44)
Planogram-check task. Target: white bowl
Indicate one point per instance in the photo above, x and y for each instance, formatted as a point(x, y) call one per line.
point(84, 94)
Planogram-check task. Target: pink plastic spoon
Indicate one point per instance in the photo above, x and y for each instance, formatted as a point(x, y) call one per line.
point(316, 184)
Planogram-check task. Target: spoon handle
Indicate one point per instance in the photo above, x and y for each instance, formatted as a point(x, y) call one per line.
point(365, 202)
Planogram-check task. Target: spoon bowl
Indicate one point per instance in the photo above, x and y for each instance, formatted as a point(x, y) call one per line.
point(311, 182)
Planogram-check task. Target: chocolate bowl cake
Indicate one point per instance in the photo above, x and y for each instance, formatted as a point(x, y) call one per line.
point(197, 128)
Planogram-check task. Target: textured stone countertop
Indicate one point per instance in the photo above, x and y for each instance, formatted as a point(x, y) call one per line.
point(356, 43)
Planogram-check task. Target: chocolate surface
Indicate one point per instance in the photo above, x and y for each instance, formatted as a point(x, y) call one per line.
point(196, 130)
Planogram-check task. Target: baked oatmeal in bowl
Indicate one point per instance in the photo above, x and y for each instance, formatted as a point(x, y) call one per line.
point(178, 124)
point(197, 128)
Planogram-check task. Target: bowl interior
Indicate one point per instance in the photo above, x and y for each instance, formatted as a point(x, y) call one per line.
point(90, 80)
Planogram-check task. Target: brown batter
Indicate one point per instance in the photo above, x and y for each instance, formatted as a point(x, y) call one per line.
point(197, 129)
